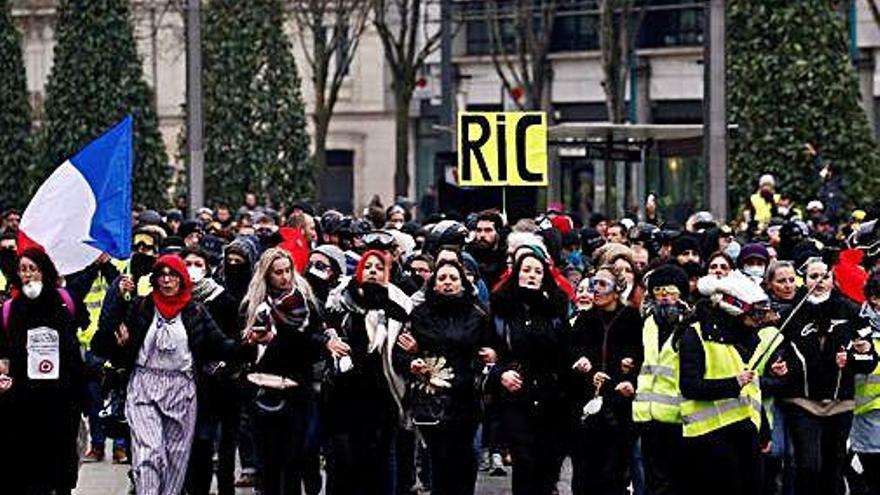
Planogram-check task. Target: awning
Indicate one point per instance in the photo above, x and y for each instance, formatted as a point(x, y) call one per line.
point(599, 132)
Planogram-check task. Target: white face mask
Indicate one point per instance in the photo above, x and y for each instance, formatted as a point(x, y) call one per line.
point(321, 274)
point(756, 271)
point(818, 298)
point(196, 274)
point(32, 289)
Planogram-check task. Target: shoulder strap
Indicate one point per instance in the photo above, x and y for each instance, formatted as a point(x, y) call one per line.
point(7, 310)
point(67, 300)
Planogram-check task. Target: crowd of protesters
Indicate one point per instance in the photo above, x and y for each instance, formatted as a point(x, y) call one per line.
point(383, 355)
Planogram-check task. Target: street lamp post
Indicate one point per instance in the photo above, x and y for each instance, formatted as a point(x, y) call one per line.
point(194, 129)
point(715, 109)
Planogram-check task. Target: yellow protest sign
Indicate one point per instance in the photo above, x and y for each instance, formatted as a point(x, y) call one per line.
point(502, 149)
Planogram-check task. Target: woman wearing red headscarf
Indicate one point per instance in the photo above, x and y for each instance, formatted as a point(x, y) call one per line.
point(363, 400)
point(164, 340)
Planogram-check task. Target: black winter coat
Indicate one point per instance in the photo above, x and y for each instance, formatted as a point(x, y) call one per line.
point(531, 337)
point(455, 329)
point(814, 336)
point(39, 419)
point(364, 389)
point(206, 341)
point(606, 338)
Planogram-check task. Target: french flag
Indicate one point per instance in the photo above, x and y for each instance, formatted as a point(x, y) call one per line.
point(84, 207)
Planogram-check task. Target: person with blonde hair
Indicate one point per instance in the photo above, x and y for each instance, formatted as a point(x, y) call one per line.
point(279, 307)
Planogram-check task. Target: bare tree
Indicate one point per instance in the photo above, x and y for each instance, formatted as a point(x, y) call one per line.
point(329, 32)
point(618, 26)
point(523, 62)
point(398, 23)
point(875, 10)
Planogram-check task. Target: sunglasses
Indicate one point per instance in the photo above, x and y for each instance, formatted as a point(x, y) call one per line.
point(320, 265)
point(817, 276)
point(379, 238)
point(667, 290)
point(719, 266)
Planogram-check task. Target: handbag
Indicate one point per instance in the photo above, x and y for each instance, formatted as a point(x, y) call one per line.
point(428, 396)
point(427, 408)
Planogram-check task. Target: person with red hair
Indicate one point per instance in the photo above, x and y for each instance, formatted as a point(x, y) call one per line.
point(363, 403)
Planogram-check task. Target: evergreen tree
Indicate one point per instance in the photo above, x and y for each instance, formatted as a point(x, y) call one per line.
point(792, 82)
point(96, 80)
point(255, 127)
point(15, 118)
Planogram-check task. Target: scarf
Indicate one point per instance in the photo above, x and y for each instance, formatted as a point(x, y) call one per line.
point(171, 306)
point(873, 317)
point(206, 289)
point(382, 333)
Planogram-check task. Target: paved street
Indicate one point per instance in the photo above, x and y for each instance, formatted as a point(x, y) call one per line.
point(108, 479)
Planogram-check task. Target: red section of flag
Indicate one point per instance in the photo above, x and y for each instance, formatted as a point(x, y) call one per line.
point(295, 243)
point(25, 242)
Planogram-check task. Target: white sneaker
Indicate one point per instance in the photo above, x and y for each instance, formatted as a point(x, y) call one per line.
point(497, 466)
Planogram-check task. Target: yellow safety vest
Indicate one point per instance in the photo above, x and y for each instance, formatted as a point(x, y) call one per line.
point(701, 417)
point(93, 301)
point(768, 335)
point(144, 286)
point(763, 209)
point(658, 397)
point(867, 394)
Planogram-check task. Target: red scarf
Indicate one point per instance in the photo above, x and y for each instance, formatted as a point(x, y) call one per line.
point(171, 306)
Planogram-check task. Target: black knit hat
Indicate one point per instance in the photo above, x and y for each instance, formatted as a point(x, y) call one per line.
point(872, 287)
point(684, 243)
point(668, 274)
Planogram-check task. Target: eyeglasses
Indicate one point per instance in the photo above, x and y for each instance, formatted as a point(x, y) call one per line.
point(719, 266)
point(168, 274)
point(666, 290)
point(602, 285)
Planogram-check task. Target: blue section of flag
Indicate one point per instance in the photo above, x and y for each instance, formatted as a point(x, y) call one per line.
point(106, 164)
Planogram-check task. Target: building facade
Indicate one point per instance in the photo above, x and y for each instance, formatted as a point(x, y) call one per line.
point(666, 88)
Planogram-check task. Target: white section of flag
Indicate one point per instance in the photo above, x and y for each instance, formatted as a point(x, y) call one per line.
point(59, 218)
